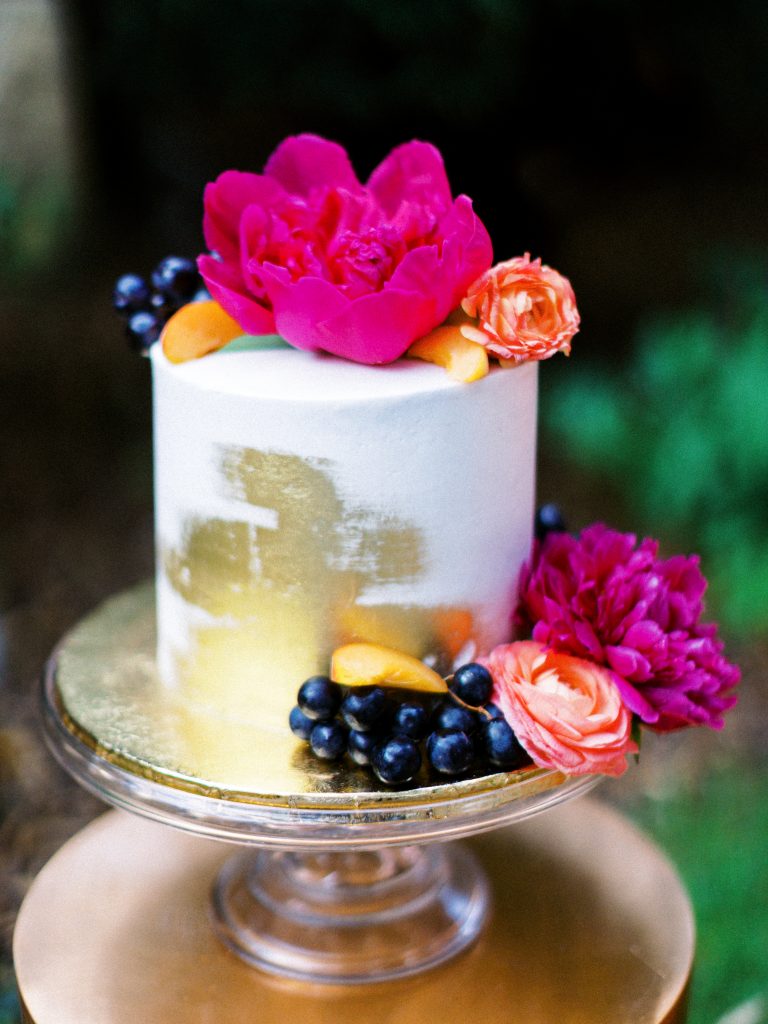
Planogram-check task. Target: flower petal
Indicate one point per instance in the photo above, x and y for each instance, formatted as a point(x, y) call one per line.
point(299, 306)
point(375, 328)
point(305, 162)
point(225, 286)
point(413, 172)
point(474, 253)
point(224, 201)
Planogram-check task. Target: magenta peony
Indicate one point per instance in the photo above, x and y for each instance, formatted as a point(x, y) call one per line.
point(603, 597)
point(359, 271)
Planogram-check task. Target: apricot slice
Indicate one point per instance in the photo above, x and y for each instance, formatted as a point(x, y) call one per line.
point(373, 665)
point(463, 359)
point(197, 329)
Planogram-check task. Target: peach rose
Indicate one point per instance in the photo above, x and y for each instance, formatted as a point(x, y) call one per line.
point(566, 712)
point(524, 310)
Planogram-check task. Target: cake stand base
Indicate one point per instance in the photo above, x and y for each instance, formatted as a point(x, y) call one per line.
point(589, 924)
point(351, 917)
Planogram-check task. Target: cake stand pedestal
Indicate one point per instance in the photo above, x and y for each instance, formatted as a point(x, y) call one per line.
point(339, 882)
point(589, 926)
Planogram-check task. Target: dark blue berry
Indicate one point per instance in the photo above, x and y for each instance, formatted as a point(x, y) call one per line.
point(472, 683)
point(131, 294)
point(177, 278)
point(396, 760)
point(410, 719)
point(549, 519)
point(301, 726)
point(143, 331)
point(450, 753)
point(162, 306)
point(328, 740)
point(450, 717)
point(201, 295)
point(493, 710)
point(364, 708)
point(319, 698)
point(360, 745)
point(502, 747)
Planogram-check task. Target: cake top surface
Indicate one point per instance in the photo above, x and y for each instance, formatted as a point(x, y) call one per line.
point(291, 375)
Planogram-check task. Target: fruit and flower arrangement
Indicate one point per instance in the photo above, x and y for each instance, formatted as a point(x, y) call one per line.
point(367, 272)
point(616, 643)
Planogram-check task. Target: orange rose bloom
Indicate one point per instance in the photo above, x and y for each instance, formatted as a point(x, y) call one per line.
point(525, 310)
point(566, 712)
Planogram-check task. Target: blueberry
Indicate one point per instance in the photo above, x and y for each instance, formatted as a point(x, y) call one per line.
point(549, 519)
point(201, 295)
point(360, 745)
point(328, 740)
point(450, 753)
point(364, 707)
point(450, 717)
point(177, 278)
point(319, 698)
point(301, 726)
point(162, 306)
point(143, 331)
point(131, 294)
point(493, 710)
point(396, 760)
point(410, 719)
point(472, 683)
point(502, 747)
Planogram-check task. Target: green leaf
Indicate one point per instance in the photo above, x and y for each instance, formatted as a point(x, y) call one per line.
point(254, 343)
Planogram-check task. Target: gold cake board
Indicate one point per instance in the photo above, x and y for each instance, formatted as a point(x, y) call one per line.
point(590, 925)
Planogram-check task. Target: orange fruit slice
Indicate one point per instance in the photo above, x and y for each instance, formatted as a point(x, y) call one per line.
point(197, 329)
point(373, 665)
point(464, 360)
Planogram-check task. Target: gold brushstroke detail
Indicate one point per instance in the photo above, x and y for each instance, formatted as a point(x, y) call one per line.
point(102, 686)
point(282, 598)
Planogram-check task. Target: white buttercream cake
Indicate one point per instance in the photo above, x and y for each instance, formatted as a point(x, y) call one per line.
point(304, 501)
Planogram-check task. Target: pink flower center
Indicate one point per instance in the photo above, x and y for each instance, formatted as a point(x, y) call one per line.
point(364, 261)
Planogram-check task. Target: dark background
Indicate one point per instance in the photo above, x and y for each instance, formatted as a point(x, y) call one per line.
point(626, 143)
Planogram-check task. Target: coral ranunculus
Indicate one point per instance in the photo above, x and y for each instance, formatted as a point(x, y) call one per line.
point(362, 272)
point(604, 597)
point(566, 712)
point(524, 310)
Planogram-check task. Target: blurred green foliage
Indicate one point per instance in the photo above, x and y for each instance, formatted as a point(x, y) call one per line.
point(716, 836)
point(34, 220)
point(683, 431)
point(9, 1006)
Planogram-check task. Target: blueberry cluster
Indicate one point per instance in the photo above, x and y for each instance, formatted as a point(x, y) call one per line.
point(458, 732)
point(147, 305)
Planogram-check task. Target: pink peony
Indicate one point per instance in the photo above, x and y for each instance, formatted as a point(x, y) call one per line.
point(524, 310)
point(601, 596)
point(566, 712)
point(359, 271)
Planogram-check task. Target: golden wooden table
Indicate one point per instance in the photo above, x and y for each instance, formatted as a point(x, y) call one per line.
point(590, 926)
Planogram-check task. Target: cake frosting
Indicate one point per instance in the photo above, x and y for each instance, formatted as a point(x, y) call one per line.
point(304, 501)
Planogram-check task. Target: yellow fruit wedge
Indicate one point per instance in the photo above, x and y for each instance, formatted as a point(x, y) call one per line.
point(197, 329)
point(373, 665)
point(463, 359)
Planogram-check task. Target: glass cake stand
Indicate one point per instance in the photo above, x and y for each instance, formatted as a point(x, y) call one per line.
point(339, 879)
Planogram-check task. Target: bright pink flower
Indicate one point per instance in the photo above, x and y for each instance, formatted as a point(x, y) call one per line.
point(359, 271)
point(602, 596)
point(566, 712)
